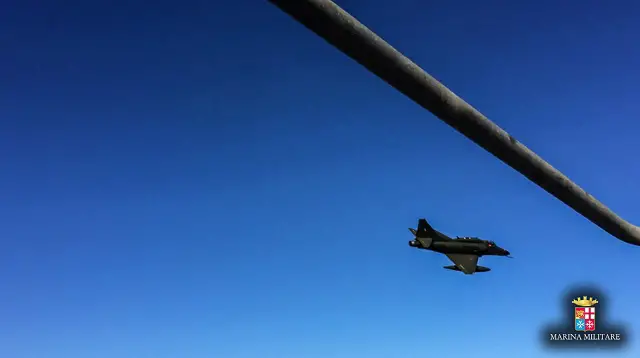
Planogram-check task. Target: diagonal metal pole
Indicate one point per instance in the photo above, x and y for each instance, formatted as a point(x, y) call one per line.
point(343, 31)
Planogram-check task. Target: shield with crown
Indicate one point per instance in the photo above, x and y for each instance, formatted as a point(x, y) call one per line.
point(585, 314)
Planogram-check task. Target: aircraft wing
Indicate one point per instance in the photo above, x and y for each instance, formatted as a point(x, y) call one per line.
point(465, 262)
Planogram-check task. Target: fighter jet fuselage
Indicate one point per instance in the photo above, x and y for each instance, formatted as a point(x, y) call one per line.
point(462, 246)
point(462, 251)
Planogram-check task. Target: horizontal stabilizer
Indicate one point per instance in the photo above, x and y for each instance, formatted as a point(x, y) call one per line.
point(425, 242)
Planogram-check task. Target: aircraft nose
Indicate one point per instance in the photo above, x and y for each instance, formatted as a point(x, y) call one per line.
point(506, 252)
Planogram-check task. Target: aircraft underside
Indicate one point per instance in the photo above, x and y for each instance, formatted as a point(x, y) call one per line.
point(478, 269)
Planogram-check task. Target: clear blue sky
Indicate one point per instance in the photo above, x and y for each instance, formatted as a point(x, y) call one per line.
point(210, 179)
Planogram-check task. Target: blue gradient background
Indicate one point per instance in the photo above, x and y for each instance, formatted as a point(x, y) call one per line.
point(209, 179)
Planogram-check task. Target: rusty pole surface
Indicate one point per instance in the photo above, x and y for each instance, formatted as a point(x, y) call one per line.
point(343, 31)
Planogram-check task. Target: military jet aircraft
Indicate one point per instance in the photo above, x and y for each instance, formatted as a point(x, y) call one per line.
point(462, 251)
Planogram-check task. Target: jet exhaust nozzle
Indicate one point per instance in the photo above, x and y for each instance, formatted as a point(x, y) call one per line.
point(421, 243)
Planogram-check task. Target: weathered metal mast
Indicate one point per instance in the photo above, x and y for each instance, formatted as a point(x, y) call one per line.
point(343, 31)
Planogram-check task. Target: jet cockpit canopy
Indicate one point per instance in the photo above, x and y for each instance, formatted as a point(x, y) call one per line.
point(467, 238)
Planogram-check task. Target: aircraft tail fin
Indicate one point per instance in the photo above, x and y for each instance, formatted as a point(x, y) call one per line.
point(424, 229)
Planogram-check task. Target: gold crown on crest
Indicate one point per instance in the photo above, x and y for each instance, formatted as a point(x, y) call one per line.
point(584, 302)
